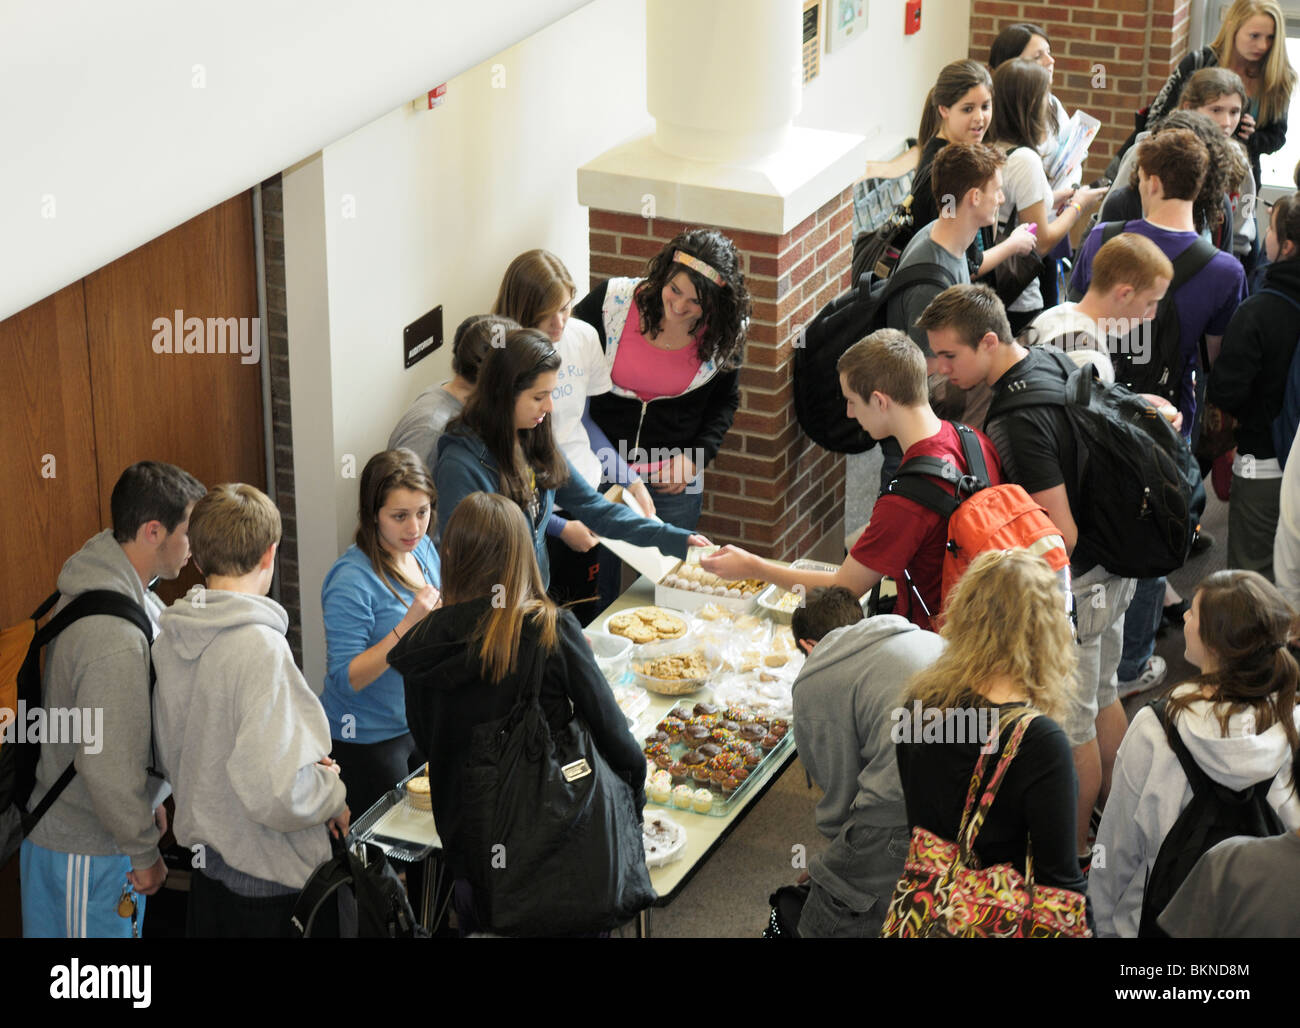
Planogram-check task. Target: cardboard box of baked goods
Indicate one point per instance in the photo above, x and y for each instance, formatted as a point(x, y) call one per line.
point(659, 567)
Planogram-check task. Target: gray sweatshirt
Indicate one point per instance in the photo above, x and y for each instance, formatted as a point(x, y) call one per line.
point(240, 732)
point(843, 698)
point(100, 665)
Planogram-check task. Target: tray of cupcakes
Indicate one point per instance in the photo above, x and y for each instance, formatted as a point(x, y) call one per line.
point(703, 757)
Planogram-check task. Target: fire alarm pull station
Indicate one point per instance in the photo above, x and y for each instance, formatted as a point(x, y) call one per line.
point(912, 18)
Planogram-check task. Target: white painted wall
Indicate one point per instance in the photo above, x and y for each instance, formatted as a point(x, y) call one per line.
point(121, 120)
point(444, 199)
point(876, 85)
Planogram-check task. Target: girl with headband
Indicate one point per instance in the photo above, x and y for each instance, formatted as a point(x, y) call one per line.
point(674, 341)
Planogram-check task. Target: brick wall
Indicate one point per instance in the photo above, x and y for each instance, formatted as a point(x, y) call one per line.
point(281, 424)
point(770, 489)
point(1112, 56)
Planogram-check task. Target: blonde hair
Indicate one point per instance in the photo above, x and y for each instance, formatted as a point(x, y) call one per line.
point(1005, 618)
point(1130, 260)
point(1278, 76)
point(231, 528)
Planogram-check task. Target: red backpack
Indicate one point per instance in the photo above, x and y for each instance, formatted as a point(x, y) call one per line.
point(980, 516)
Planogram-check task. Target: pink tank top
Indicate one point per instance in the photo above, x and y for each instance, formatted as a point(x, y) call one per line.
point(648, 371)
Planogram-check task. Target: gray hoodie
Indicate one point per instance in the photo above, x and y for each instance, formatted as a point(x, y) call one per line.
point(100, 665)
point(240, 733)
point(843, 698)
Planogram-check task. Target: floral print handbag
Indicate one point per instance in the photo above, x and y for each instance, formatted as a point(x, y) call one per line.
point(943, 893)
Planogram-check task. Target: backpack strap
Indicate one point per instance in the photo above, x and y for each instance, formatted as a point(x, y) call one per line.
point(1025, 393)
point(914, 478)
point(1198, 779)
point(1277, 292)
point(925, 273)
point(87, 604)
point(1190, 262)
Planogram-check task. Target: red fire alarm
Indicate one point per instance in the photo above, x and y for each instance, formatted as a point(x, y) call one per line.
point(912, 19)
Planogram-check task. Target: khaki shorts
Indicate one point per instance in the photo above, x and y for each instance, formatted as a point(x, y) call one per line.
point(1100, 600)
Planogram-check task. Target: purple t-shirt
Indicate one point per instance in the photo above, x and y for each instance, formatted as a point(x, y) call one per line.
point(1205, 302)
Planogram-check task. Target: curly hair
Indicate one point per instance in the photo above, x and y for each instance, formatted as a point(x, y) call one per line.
point(724, 309)
point(1250, 630)
point(1227, 164)
point(1004, 619)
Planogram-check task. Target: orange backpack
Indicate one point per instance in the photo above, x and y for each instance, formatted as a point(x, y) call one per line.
point(980, 516)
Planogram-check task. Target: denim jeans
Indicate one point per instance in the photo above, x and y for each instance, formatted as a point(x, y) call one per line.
point(1140, 623)
point(680, 509)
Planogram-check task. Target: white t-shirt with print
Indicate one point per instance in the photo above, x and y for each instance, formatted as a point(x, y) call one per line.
point(583, 372)
point(1024, 183)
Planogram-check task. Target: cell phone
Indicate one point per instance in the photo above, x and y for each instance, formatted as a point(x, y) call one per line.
point(1101, 183)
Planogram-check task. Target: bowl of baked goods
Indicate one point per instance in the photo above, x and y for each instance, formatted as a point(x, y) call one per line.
point(417, 795)
point(671, 668)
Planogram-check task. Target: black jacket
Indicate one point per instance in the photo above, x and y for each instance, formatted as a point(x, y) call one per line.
point(698, 418)
point(1249, 378)
point(447, 697)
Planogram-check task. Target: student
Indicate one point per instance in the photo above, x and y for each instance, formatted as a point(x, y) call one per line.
point(1252, 43)
point(538, 292)
point(1008, 651)
point(1031, 43)
point(102, 833)
point(376, 592)
point(422, 425)
point(968, 176)
point(1233, 893)
point(675, 366)
point(1172, 166)
point(465, 665)
point(1020, 125)
point(972, 342)
point(883, 381)
point(503, 443)
point(1249, 382)
point(242, 736)
point(1214, 208)
point(1129, 279)
point(844, 697)
point(1238, 720)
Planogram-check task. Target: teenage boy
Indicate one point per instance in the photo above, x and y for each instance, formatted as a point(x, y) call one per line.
point(844, 699)
point(883, 381)
point(1129, 278)
point(972, 342)
point(1171, 169)
point(967, 181)
point(243, 738)
point(102, 832)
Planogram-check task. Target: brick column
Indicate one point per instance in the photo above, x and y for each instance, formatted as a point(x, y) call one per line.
point(1112, 56)
point(770, 489)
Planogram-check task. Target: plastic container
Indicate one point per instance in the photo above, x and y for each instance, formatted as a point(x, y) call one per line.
point(780, 603)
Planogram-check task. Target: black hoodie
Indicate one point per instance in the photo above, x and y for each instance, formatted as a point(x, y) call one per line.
point(1249, 378)
point(447, 696)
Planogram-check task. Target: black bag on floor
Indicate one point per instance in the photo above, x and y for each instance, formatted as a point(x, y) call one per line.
point(1141, 486)
point(550, 835)
point(371, 899)
point(1214, 813)
point(818, 402)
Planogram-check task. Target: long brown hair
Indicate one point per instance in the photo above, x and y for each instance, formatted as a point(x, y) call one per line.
point(487, 551)
point(1251, 631)
point(535, 285)
point(954, 81)
point(1277, 74)
point(384, 472)
point(508, 371)
point(1020, 89)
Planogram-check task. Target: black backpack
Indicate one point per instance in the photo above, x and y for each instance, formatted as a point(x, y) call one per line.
point(1159, 368)
point(818, 402)
point(370, 898)
point(1214, 813)
point(18, 762)
point(1138, 479)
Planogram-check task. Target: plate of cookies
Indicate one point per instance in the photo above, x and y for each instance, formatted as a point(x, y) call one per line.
point(646, 625)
